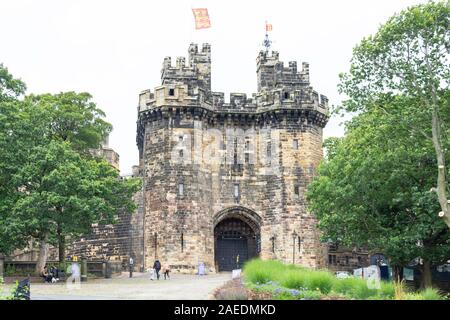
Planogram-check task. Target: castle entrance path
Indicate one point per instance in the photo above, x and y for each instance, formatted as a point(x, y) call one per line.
point(140, 287)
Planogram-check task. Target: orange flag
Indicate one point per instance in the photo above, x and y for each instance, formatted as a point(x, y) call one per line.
point(201, 18)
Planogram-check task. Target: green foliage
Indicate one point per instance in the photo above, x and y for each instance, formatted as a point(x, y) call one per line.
point(260, 272)
point(50, 185)
point(320, 280)
point(288, 282)
point(72, 117)
point(293, 279)
point(373, 190)
point(431, 294)
point(10, 88)
point(403, 72)
point(387, 290)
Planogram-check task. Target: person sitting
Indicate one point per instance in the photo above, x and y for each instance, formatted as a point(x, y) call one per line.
point(46, 275)
point(54, 272)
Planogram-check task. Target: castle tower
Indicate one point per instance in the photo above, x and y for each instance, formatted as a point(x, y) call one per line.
point(226, 182)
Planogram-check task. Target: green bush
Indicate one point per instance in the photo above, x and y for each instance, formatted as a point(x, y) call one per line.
point(431, 294)
point(289, 282)
point(293, 279)
point(362, 292)
point(346, 286)
point(387, 290)
point(319, 280)
point(259, 272)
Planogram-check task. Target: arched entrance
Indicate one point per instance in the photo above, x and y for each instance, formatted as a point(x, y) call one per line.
point(236, 237)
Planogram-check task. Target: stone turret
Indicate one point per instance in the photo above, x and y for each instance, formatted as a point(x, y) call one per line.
point(196, 75)
point(272, 74)
point(228, 179)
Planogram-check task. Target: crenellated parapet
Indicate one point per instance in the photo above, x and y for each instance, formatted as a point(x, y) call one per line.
point(195, 73)
point(187, 85)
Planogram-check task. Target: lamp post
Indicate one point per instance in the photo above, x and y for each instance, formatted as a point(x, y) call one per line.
point(294, 236)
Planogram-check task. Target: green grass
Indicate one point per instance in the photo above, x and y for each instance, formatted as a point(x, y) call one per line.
point(431, 294)
point(293, 279)
point(289, 282)
point(322, 281)
point(260, 272)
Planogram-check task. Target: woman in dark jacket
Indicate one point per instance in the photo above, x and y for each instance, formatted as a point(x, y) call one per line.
point(157, 267)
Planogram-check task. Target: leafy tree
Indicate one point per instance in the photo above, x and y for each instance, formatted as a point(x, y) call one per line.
point(11, 89)
point(408, 56)
point(66, 193)
point(51, 187)
point(372, 190)
point(72, 117)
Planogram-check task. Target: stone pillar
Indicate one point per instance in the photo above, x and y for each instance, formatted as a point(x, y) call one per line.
point(84, 269)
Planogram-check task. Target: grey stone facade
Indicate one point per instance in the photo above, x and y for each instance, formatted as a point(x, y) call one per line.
point(226, 180)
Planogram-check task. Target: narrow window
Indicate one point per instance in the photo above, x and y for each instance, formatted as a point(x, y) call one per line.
point(286, 95)
point(347, 260)
point(247, 158)
point(182, 242)
point(171, 92)
point(297, 190)
point(295, 144)
point(236, 191)
point(181, 153)
point(180, 138)
point(180, 189)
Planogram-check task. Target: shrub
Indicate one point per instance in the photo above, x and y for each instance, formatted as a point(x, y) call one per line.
point(361, 291)
point(320, 280)
point(431, 294)
point(259, 272)
point(293, 279)
point(345, 286)
point(387, 290)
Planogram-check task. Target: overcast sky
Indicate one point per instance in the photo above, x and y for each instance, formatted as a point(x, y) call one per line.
point(115, 49)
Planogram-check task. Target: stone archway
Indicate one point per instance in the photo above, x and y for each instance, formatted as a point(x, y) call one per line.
point(236, 237)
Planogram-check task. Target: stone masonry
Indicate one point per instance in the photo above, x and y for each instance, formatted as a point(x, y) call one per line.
point(227, 180)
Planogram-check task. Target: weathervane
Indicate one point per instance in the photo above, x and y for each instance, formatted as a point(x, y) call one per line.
point(267, 43)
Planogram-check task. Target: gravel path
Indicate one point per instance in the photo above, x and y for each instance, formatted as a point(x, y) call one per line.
point(183, 287)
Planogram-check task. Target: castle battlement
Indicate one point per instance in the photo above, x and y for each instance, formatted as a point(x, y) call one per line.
point(190, 84)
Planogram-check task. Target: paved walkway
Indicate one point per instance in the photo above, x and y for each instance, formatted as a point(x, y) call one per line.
point(186, 287)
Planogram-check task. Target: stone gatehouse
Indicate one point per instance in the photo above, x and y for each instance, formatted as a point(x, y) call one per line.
point(224, 181)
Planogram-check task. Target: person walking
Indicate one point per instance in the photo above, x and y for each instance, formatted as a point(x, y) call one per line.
point(157, 267)
point(166, 271)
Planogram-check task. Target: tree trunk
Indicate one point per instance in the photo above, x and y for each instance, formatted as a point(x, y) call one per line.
point(397, 273)
point(441, 187)
point(61, 245)
point(43, 253)
point(426, 275)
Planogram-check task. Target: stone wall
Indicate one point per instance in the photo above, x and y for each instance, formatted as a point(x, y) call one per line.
point(114, 242)
point(187, 139)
